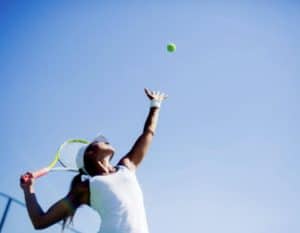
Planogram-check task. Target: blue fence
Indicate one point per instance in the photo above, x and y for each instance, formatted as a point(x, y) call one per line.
point(9, 201)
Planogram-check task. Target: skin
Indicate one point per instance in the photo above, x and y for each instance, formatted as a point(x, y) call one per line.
point(100, 159)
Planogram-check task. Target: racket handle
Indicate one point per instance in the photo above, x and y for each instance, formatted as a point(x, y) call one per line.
point(25, 178)
point(41, 172)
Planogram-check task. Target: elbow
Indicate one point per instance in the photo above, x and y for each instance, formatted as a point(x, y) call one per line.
point(148, 131)
point(38, 226)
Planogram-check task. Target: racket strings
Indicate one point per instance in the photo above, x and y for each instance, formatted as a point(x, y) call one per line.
point(68, 154)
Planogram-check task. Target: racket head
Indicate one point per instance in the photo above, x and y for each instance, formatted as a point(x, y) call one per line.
point(67, 153)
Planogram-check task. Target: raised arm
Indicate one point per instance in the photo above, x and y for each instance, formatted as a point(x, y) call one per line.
point(57, 212)
point(141, 146)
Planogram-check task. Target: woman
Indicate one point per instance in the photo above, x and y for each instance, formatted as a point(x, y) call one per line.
point(113, 191)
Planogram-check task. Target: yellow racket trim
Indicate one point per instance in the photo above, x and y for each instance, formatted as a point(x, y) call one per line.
point(57, 154)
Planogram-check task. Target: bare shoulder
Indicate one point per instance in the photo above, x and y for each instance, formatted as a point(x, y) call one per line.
point(127, 163)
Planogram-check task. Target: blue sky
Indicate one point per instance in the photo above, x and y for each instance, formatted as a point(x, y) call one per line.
point(226, 154)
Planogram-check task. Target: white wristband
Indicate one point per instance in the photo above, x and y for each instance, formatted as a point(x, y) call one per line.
point(155, 103)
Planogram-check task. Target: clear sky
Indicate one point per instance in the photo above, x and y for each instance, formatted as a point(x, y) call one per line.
point(225, 157)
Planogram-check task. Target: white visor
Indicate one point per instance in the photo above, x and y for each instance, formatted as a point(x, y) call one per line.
point(81, 152)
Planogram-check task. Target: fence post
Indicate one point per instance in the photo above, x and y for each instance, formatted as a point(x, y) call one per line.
point(5, 213)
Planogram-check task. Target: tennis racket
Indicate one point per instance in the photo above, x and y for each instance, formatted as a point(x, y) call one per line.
point(65, 156)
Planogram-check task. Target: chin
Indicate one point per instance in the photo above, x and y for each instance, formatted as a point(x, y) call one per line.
point(112, 150)
point(111, 155)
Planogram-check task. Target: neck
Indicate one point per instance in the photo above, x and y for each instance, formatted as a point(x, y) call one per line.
point(105, 168)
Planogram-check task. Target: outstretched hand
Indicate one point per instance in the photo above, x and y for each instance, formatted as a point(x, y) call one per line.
point(155, 95)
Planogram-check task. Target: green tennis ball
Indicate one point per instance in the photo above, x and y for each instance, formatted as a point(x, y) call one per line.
point(171, 47)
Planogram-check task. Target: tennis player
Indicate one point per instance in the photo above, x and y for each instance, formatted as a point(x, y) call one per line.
point(113, 191)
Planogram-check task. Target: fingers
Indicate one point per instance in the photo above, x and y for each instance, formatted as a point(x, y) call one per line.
point(160, 95)
point(29, 175)
point(27, 178)
point(148, 93)
point(155, 94)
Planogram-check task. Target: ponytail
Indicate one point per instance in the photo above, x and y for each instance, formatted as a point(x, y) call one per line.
point(75, 202)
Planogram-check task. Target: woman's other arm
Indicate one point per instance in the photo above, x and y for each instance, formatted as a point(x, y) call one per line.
point(39, 218)
point(137, 153)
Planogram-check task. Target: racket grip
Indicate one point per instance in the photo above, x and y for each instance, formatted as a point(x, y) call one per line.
point(41, 172)
point(27, 177)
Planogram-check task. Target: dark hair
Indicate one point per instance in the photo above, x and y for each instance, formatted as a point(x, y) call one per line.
point(73, 198)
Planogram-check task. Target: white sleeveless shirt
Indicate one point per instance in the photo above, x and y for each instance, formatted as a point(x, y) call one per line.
point(118, 199)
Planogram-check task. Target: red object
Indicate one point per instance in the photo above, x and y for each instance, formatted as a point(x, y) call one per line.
point(35, 174)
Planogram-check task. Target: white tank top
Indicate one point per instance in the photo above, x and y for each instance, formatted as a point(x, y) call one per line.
point(118, 199)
